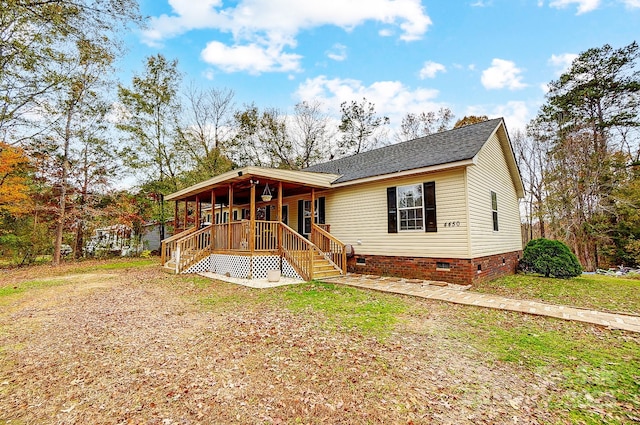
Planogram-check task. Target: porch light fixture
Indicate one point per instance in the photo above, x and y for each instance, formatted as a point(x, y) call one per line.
point(266, 194)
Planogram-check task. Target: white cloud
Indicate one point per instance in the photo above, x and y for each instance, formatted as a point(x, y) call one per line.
point(391, 98)
point(338, 52)
point(516, 114)
point(501, 74)
point(208, 74)
point(251, 58)
point(632, 4)
point(584, 6)
point(481, 3)
point(263, 26)
point(430, 69)
point(562, 62)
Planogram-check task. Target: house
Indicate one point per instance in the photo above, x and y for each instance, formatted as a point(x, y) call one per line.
point(442, 207)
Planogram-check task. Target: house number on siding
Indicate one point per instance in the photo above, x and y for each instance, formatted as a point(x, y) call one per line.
point(452, 224)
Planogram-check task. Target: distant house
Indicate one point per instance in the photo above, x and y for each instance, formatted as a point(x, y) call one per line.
point(442, 207)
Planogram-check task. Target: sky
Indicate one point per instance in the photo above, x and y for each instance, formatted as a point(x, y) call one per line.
point(477, 57)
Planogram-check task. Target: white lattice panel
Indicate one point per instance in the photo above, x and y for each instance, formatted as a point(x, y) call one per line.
point(289, 271)
point(243, 266)
point(235, 265)
point(263, 263)
point(203, 265)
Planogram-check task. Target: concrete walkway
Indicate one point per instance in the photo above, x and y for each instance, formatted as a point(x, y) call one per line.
point(460, 295)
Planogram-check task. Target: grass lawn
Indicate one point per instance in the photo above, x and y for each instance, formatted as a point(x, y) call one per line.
point(600, 292)
point(123, 342)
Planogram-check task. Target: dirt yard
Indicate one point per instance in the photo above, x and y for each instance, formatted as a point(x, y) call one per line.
point(137, 346)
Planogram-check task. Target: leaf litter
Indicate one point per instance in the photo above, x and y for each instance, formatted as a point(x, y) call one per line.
point(137, 347)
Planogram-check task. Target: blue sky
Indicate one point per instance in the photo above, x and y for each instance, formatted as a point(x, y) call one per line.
point(481, 57)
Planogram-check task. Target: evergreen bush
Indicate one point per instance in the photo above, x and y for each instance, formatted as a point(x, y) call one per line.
point(550, 258)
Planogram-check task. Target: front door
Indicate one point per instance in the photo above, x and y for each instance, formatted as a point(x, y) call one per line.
point(307, 217)
point(304, 215)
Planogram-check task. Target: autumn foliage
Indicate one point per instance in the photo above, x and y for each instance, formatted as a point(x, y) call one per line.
point(14, 197)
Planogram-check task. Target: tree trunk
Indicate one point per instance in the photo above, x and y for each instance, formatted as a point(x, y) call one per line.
point(63, 190)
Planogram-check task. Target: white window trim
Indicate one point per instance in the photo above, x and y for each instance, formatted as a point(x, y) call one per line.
point(399, 209)
point(497, 222)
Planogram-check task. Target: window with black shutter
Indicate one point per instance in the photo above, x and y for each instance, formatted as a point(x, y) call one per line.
point(392, 211)
point(431, 223)
point(412, 207)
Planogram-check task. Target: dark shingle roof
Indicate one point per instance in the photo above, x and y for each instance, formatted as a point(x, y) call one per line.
point(441, 148)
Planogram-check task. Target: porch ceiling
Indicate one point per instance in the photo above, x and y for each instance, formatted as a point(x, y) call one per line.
point(293, 183)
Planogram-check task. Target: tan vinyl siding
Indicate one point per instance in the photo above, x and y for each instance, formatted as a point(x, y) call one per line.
point(359, 212)
point(492, 174)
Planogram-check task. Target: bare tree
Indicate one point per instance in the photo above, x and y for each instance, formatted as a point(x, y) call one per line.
point(424, 123)
point(206, 131)
point(361, 127)
point(310, 133)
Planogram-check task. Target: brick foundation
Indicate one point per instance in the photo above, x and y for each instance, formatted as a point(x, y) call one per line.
point(460, 271)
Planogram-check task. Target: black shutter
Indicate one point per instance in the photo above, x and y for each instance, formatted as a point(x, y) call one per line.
point(392, 211)
point(267, 215)
point(429, 193)
point(300, 216)
point(321, 210)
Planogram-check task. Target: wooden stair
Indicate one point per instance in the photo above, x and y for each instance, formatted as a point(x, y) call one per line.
point(323, 268)
point(189, 258)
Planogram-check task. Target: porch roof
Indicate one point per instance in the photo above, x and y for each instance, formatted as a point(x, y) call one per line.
point(293, 181)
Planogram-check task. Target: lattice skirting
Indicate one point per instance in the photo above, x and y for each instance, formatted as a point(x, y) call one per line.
point(203, 265)
point(244, 266)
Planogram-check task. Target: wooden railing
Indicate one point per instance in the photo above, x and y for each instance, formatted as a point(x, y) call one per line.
point(192, 248)
point(332, 248)
point(266, 236)
point(240, 236)
point(186, 248)
point(325, 227)
point(298, 251)
point(220, 236)
point(168, 247)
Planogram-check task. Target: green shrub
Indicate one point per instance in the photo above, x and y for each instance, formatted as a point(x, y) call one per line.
point(550, 258)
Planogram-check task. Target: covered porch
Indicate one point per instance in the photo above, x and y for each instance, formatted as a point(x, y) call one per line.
point(253, 218)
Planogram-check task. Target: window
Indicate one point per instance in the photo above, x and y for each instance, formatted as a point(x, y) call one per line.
point(410, 207)
point(494, 210)
point(304, 215)
point(443, 265)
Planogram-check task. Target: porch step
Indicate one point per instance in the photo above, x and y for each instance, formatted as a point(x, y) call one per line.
point(323, 268)
point(169, 269)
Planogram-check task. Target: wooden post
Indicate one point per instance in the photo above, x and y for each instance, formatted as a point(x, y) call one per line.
point(313, 211)
point(197, 218)
point(230, 216)
point(186, 213)
point(175, 219)
point(279, 217)
point(313, 214)
point(213, 221)
point(252, 219)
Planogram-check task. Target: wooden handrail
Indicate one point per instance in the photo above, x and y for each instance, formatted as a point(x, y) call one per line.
point(298, 251)
point(192, 248)
point(167, 247)
point(330, 246)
